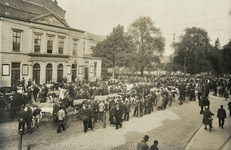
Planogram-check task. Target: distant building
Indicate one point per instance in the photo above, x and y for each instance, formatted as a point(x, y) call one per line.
point(37, 43)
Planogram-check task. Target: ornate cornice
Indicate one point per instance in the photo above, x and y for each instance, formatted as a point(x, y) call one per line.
point(48, 55)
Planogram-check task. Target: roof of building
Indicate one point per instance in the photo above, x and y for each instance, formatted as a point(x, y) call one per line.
point(164, 59)
point(32, 10)
point(95, 37)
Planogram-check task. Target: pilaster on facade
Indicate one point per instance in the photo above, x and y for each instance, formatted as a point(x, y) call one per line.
point(55, 70)
point(55, 43)
point(44, 42)
point(30, 42)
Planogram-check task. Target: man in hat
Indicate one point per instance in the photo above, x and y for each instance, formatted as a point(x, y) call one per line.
point(154, 146)
point(22, 118)
point(118, 115)
point(87, 115)
point(206, 115)
point(61, 118)
point(127, 110)
point(143, 145)
point(221, 115)
point(229, 104)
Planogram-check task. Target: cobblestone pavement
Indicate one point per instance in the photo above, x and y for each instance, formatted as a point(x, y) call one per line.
point(173, 128)
point(213, 140)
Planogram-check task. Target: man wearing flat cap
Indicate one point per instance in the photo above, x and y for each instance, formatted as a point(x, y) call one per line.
point(142, 145)
point(221, 115)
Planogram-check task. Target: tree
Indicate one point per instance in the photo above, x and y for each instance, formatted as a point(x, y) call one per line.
point(227, 55)
point(114, 50)
point(148, 41)
point(194, 45)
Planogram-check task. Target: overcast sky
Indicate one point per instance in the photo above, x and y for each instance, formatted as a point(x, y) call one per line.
point(171, 16)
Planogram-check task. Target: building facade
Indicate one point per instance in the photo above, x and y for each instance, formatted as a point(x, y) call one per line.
point(36, 43)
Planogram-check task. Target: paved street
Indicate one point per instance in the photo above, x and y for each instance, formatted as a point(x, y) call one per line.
point(177, 127)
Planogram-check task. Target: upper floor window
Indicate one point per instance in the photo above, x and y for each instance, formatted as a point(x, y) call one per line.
point(16, 40)
point(75, 44)
point(37, 43)
point(49, 44)
point(61, 45)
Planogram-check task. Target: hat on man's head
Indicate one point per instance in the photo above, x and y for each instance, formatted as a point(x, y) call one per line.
point(146, 137)
point(221, 105)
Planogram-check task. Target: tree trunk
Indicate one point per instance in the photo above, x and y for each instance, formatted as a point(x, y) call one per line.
point(142, 72)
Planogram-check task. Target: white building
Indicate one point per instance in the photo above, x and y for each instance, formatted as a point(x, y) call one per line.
point(36, 43)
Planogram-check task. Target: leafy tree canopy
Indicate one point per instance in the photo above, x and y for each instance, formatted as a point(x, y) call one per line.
point(148, 41)
point(194, 45)
point(115, 49)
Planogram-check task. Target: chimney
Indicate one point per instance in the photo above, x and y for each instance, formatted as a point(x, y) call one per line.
point(55, 1)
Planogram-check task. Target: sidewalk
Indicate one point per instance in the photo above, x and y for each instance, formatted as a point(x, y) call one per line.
point(214, 140)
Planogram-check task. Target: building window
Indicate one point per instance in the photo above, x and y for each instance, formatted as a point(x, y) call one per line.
point(16, 40)
point(49, 44)
point(37, 43)
point(75, 44)
point(61, 45)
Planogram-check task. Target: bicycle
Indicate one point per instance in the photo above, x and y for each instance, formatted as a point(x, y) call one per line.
point(210, 120)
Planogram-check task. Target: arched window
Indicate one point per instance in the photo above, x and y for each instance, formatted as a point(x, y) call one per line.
point(36, 73)
point(49, 73)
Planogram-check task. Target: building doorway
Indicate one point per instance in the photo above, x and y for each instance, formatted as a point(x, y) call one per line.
point(36, 73)
point(74, 72)
point(48, 73)
point(15, 73)
point(60, 73)
point(86, 71)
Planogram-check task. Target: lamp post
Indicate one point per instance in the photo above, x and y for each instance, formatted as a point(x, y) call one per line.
point(184, 65)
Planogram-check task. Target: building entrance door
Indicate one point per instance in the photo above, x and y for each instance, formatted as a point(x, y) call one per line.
point(15, 73)
point(36, 73)
point(86, 71)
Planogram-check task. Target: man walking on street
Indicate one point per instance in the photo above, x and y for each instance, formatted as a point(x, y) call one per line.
point(61, 118)
point(118, 115)
point(154, 146)
point(143, 145)
point(22, 117)
point(229, 104)
point(87, 115)
point(221, 115)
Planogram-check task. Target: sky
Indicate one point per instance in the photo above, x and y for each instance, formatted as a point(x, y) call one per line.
point(171, 16)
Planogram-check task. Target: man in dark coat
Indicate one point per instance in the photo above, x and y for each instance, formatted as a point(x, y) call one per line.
point(118, 116)
point(22, 117)
point(143, 145)
point(29, 119)
point(95, 110)
point(221, 115)
point(2, 107)
point(87, 115)
point(55, 111)
point(127, 111)
point(201, 103)
point(206, 116)
point(229, 104)
point(12, 110)
point(154, 146)
point(35, 92)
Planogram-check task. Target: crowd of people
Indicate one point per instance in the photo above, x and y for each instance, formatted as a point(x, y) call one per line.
point(144, 93)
